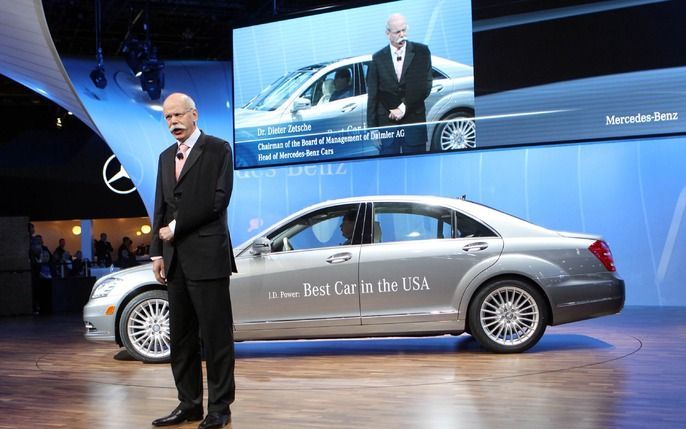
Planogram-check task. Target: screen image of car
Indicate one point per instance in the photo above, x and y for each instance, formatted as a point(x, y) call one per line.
point(300, 103)
point(303, 96)
point(384, 266)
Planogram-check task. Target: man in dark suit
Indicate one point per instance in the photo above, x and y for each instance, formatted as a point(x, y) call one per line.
point(191, 252)
point(398, 81)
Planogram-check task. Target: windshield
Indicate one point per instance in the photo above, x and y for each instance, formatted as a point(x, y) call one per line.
point(275, 94)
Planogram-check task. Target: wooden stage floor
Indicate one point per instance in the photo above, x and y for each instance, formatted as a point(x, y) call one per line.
point(624, 371)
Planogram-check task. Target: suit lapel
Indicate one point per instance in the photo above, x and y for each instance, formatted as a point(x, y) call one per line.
point(409, 55)
point(168, 165)
point(195, 154)
point(387, 63)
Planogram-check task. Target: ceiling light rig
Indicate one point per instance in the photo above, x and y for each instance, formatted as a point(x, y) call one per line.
point(98, 74)
point(141, 57)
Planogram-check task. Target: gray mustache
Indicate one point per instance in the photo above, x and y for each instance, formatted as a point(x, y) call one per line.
point(177, 127)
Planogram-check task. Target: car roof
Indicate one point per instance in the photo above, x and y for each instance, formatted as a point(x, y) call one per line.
point(449, 67)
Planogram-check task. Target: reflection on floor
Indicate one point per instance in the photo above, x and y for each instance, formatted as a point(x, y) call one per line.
point(621, 371)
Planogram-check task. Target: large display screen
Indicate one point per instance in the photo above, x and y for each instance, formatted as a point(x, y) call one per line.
point(579, 70)
point(502, 74)
point(326, 86)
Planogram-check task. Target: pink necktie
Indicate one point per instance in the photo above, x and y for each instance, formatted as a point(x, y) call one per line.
point(398, 64)
point(180, 158)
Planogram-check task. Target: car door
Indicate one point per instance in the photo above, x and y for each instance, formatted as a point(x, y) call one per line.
point(308, 279)
point(411, 270)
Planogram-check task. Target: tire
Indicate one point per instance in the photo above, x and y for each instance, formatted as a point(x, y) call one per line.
point(455, 135)
point(508, 316)
point(144, 327)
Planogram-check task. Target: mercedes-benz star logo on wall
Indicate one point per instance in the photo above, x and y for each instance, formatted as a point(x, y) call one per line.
point(116, 178)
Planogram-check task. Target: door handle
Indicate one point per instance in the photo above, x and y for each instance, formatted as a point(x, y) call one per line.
point(349, 107)
point(473, 247)
point(338, 258)
point(436, 88)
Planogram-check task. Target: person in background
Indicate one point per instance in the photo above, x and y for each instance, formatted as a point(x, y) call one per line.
point(78, 268)
point(342, 84)
point(347, 227)
point(103, 250)
point(61, 258)
point(126, 257)
point(58, 254)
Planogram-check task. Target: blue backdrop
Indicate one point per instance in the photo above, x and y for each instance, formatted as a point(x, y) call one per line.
point(632, 192)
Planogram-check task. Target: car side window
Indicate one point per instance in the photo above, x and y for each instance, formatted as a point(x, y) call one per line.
point(335, 85)
point(436, 74)
point(314, 92)
point(363, 76)
point(332, 226)
point(467, 227)
point(410, 222)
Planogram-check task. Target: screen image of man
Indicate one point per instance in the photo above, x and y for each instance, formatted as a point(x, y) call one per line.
point(398, 81)
point(192, 254)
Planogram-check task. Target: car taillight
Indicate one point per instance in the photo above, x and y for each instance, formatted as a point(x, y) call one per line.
point(602, 251)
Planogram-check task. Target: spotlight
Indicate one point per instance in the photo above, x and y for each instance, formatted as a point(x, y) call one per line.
point(136, 54)
point(98, 77)
point(98, 73)
point(152, 78)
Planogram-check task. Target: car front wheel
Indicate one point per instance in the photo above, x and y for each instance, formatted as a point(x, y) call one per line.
point(507, 316)
point(144, 327)
point(456, 131)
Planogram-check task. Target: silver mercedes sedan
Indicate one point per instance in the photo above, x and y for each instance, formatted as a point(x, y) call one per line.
point(385, 266)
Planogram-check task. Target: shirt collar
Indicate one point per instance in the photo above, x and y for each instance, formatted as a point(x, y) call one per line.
point(192, 139)
point(402, 50)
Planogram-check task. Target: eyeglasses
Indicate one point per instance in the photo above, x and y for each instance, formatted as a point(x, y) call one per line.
point(169, 116)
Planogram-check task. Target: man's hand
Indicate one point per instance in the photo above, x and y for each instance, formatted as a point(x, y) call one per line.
point(158, 269)
point(166, 233)
point(396, 114)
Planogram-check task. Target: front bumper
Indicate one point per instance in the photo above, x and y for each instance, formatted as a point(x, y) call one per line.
point(99, 325)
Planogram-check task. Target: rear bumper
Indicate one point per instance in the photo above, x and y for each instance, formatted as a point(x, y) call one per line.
point(609, 301)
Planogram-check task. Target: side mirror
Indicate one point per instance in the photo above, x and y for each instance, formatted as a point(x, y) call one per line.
point(300, 104)
point(261, 246)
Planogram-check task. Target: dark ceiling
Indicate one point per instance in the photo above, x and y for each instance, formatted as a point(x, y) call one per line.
point(179, 29)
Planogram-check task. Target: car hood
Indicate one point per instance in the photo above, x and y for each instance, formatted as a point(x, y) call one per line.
point(245, 118)
point(127, 271)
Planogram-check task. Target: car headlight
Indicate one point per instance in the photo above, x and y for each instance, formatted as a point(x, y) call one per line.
point(105, 287)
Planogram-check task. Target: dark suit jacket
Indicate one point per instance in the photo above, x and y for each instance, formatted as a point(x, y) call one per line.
point(198, 202)
point(385, 92)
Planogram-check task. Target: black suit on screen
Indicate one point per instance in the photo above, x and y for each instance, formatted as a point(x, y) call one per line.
point(198, 263)
point(385, 93)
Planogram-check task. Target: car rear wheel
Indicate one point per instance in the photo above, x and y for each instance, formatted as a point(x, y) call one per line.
point(457, 132)
point(144, 327)
point(508, 316)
